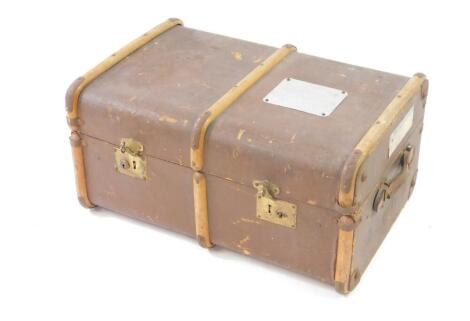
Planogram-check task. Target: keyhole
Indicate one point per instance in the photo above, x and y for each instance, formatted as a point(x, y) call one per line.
point(124, 164)
point(134, 165)
point(269, 208)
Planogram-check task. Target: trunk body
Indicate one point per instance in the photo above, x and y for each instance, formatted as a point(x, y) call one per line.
point(157, 94)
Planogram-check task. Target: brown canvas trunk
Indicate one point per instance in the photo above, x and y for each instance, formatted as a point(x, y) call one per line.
point(179, 129)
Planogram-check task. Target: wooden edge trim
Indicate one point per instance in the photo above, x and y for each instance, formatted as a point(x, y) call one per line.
point(199, 136)
point(78, 85)
point(78, 162)
point(344, 254)
point(200, 210)
point(76, 88)
point(206, 119)
point(370, 140)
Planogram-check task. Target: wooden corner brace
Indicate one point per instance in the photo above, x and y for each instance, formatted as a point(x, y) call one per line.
point(369, 141)
point(73, 96)
point(199, 137)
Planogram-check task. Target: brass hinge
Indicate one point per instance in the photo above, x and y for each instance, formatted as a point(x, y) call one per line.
point(273, 210)
point(129, 158)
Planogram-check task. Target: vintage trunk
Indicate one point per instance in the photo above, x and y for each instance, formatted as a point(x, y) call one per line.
point(296, 160)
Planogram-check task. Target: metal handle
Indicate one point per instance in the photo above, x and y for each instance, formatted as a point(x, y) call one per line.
point(389, 187)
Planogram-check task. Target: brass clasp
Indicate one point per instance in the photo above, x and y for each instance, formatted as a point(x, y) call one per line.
point(270, 209)
point(129, 158)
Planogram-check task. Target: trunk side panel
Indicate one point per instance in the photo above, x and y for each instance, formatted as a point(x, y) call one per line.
point(374, 226)
point(309, 249)
point(165, 198)
point(378, 161)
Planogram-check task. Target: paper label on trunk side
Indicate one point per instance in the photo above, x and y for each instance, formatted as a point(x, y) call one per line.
point(400, 131)
point(305, 96)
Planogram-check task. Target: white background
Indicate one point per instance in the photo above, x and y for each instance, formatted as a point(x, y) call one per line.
point(59, 261)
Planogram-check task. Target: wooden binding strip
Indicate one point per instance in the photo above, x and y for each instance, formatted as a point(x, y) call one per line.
point(86, 79)
point(344, 254)
point(206, 119)
point(200, 209)
point(199, 136)
point(73, 96)
point(77, 154)
point(371, 139)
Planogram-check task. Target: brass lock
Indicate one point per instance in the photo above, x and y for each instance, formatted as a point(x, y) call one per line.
point(129, 159)
point(270, 209)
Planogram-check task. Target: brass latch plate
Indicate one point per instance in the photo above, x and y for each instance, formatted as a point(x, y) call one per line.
point(273, 210)
point(129, 159)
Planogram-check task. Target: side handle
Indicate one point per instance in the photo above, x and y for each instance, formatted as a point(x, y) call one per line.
point(390, 185)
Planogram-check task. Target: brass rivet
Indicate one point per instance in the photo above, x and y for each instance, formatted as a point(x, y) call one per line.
point(346, 222)
point(354, 279)
point(410, 155)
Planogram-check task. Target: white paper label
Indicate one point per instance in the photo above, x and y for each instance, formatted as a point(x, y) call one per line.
point(400, 131)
